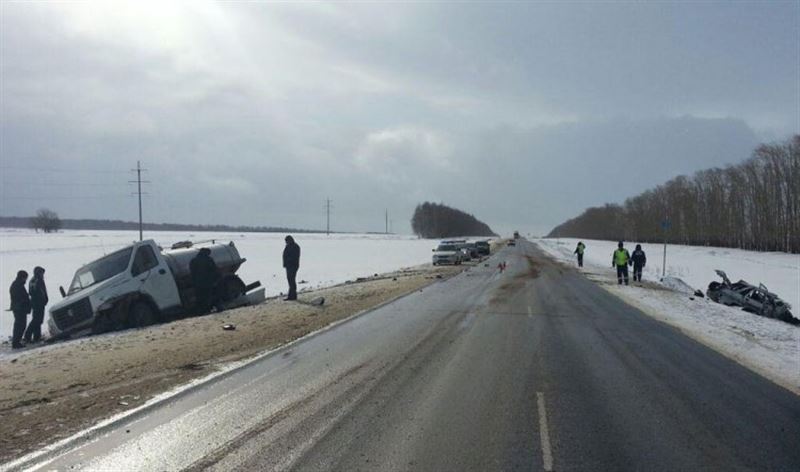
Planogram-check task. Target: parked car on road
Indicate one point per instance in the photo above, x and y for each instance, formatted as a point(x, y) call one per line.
point(447, 253)
point(483, 247)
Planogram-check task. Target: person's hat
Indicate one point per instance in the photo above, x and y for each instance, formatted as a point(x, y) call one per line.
point(289, 239)
point(38, 270)
point(638, 246)
point(205, 250)
point(620, 244)
point(22, 274)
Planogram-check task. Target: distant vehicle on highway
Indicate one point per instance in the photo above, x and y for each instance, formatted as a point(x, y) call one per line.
point(473, 250)
point(516, 234)
point(483, 247)
point(511, 242)
point(447, 253)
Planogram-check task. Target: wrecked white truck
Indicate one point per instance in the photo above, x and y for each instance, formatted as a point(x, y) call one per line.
point(141, 285)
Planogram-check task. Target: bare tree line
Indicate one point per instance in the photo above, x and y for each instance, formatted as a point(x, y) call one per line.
point(434, 220)
point(753, 205)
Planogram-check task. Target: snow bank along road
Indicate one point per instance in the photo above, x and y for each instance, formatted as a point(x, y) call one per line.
point(533, 369)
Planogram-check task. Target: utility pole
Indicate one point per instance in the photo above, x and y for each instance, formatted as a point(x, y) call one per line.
point(387, 221)
point(138, 193)
point(665, 226)
point(328, 217)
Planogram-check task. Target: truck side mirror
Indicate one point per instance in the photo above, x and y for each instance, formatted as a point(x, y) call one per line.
point(63, 293)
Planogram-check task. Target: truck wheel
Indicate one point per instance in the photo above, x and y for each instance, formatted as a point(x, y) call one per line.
point(102, 324)
point(141, 314)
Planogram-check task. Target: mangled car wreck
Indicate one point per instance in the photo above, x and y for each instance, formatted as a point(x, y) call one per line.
point(753, 299)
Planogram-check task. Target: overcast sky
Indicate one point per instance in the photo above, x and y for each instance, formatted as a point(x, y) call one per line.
point(254, 113)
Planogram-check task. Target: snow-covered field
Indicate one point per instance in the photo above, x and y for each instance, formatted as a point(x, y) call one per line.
point(768, 346)
point(325, 260)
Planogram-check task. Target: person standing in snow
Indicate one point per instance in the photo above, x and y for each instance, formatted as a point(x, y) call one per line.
point(205, 277)
point(291, 262)
point(639, 259)
point(620, 259)
point(38, 293)
point(21, 306)
point(579, 251)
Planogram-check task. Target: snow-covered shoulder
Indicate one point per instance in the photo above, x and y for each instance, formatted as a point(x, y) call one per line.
point(767, 346)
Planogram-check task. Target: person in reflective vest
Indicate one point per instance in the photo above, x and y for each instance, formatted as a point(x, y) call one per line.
point(579, 251)
point(620, 259)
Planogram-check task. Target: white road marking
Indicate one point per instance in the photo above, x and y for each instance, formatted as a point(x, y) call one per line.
point(530, 312)
point(544, 433)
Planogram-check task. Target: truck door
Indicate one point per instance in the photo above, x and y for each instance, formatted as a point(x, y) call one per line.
point(155, 278)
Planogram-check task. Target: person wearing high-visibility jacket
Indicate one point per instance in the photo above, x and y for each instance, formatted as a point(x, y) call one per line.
point(620, 259)
point(579, 251)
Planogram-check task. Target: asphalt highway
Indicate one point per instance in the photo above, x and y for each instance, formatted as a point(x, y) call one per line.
point(536, 368)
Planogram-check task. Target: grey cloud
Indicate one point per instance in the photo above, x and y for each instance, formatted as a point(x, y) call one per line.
point(254, 114)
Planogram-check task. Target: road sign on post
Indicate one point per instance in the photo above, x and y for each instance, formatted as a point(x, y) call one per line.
point(665, 226)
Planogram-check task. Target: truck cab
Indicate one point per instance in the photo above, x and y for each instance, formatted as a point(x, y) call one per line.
point(133, 286)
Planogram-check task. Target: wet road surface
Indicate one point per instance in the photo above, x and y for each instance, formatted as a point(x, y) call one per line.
point(532, 369)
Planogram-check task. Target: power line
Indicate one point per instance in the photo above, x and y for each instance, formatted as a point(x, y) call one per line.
point(62, 197)
point(59, 169)
point(60, 184)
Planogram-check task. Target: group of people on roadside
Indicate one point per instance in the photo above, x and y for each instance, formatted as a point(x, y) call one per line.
point(620, 260)
point(23, 302)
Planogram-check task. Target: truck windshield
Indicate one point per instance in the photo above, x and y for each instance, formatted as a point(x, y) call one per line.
point(101, 269)
point(447, 247)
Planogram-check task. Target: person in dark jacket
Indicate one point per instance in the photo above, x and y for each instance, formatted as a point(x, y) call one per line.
point(205, 278)
point(579, 251)
point(620, 259)
point(21, 306)
point(291, 262)
point(38, 293)
point(639, 259)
